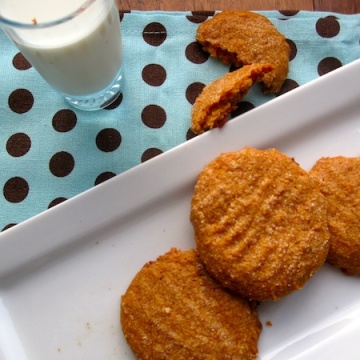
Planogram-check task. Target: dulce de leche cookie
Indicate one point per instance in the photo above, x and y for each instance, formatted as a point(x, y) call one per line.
point(243, 38)
point(174, 310)
point(260, 223)
point(216, 101)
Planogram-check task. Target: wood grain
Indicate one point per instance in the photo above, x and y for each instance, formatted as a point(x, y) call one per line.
point(201, 5)
point(340, 6)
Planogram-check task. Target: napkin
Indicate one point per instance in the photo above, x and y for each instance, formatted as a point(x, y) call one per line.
point(51, 152)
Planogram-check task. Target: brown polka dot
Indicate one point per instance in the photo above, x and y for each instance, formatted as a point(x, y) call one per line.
point(21, 101)
point(153, 116)
point(61, 164)
point(18, 144)
point(293, 49)
point(242, 108)
point(122, 13)
point(193, 91)
point(16, 189)
point(56, 201)
point(198, 17)
point(108, 140)
point(20, 62)
point(328, 64)
point(115, 103)
point(154, 74)
point(104, 176)
point(190, 134)
point(288, 85)
point(328, 27)
point(64, 120)
point(233, 68)
point(150, 153)
point(154, 34)
point(195, 53)
point(8, 226)
point(110, 101)
point(289, 12)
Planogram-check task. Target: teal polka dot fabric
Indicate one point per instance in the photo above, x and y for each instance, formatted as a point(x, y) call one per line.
point(51, 152)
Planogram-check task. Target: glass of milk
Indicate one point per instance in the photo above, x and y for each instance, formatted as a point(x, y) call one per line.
point(75, 45)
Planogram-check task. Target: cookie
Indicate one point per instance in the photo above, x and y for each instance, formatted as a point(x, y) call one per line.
point(244, 38)
point(260, 223)
point(340, 183)
point(173, 309)
point(216, 101)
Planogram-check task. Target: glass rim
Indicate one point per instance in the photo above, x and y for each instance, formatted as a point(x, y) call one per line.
point(35, 25)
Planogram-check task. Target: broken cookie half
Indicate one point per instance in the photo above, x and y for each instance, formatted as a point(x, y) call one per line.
point(216, 101)
point(244, 38)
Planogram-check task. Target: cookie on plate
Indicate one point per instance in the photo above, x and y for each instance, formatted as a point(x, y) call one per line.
point(260, 223)
point(174, 310)
point(243, 38)
point(340, 183)
point(216, 101)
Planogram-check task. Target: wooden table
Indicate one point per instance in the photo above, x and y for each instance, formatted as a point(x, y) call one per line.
point(341, 6)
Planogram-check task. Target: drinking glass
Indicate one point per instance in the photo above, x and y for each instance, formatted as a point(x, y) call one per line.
point(75, 45)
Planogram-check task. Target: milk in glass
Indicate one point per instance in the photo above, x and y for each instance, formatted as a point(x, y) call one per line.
point(77, 57)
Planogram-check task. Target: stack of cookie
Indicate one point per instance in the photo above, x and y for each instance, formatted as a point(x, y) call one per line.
point(263, 227)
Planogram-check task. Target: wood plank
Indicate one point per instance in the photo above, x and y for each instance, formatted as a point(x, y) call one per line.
point(339, 6)
point(210, 5)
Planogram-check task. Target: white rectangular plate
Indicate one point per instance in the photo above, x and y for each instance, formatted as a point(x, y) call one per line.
point(62, 272)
